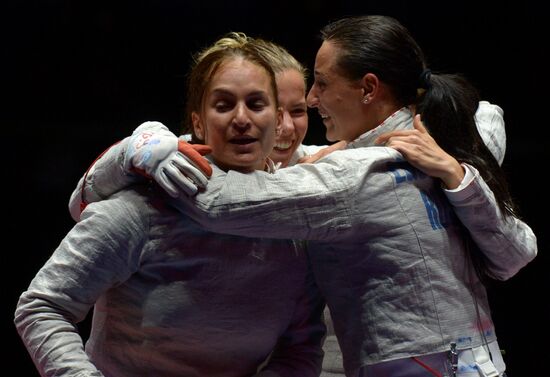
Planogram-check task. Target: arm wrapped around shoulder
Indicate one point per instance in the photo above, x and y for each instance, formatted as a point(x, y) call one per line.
point(151, 152)
point(154, 151)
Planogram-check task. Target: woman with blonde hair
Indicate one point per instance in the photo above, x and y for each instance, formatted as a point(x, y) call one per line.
point(169, 297)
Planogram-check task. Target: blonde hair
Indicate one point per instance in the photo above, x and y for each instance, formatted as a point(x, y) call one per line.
point(272, 57)
point(278, 57)
point(207, 62)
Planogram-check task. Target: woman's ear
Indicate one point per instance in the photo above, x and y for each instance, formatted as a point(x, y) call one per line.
point(197, 126)
point(369, 87)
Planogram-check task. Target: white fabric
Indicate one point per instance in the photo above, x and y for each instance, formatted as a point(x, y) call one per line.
point(170, 299)
point(490, 124)
point(468, 178)
point(378, 229)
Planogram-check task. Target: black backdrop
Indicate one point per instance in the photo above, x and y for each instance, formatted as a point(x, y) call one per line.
point(78, 75)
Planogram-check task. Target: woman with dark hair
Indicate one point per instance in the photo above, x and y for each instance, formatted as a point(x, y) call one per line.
point(391, 258)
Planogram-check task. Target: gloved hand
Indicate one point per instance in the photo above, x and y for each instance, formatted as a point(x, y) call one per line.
point(174, 164)
point(185, 169)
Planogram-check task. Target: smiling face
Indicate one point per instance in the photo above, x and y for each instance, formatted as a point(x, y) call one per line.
point(337, 99)
point(292, 100)
point(238, 119)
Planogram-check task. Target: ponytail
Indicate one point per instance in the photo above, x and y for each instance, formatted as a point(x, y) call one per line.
point(448, 106)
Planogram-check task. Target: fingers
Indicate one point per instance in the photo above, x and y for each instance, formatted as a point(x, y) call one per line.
point(164, 181)
point(306, 159)
point(403, 147)
point(411, 140)
point(383, 138)
point(173, 181)
point(309, 159)
point(194, 155)
point(187, 170)
point(418, 125)
point(202, 149)
point(178, 174)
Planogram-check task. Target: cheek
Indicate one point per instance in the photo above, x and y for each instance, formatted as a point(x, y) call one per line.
point(343, 109)
point(217, 144)
point(215, 138)
point(300, 125)
point(216, 126)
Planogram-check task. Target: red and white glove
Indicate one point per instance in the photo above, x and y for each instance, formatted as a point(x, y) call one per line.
point(154, 151)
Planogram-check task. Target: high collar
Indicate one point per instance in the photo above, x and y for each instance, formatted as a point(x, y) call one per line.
point(400, 120)
point(269, 167)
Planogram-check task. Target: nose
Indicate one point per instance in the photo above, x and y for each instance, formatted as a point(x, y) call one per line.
point(312, 98)
point(241, 118)
point(287, 127)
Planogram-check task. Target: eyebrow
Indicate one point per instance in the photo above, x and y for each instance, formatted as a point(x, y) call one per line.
point(222, 91)
point(318, 74)
point(299, 104)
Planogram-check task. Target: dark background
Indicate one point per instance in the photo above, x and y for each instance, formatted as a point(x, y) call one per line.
point(79, 75)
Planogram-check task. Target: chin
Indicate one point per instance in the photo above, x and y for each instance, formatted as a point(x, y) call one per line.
point(249, 165)
point(330, 133)
point(282, 156)
point(331, 137)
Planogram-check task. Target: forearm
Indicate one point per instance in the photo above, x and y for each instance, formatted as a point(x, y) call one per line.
point(88, 262)
point(105, 177)
point(52, 340)
point(318, 201)
point(507, 242)
point(241, 205)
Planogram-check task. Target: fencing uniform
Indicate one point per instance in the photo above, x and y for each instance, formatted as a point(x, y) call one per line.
point(170, 299)
point(389, 253)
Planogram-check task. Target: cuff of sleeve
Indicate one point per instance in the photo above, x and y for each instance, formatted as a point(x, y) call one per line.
point(465, 189)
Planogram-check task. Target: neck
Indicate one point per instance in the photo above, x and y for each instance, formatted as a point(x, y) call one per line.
point(383, 105)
